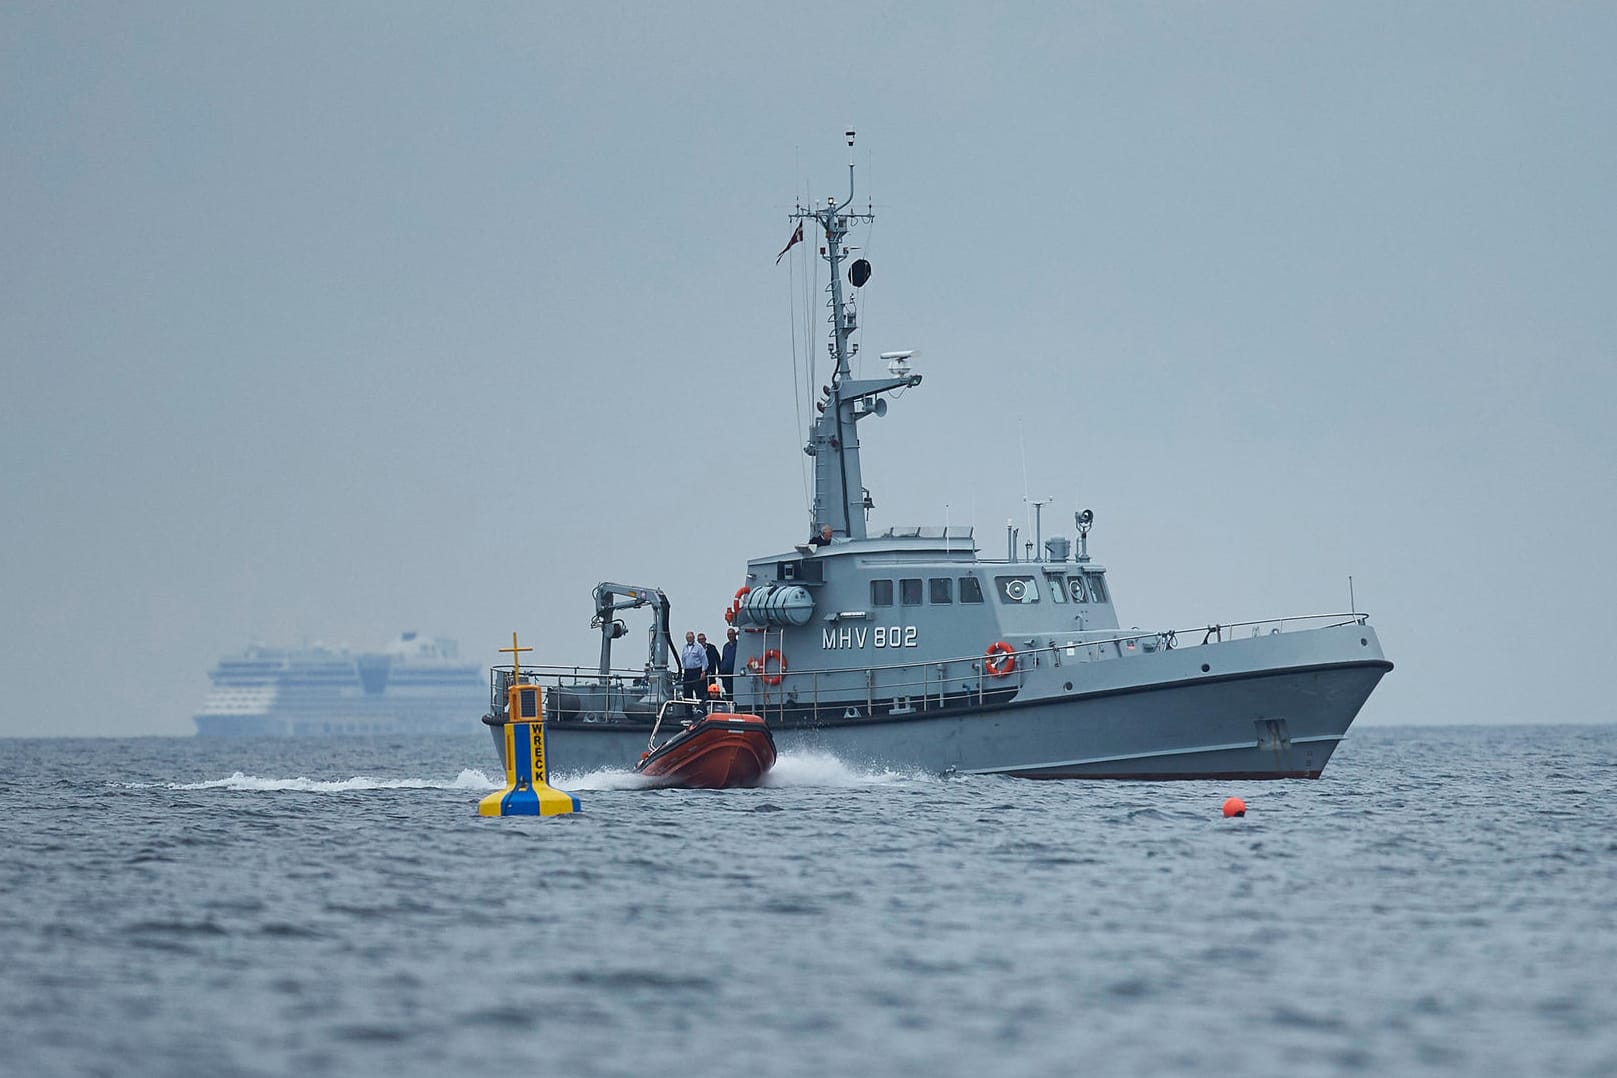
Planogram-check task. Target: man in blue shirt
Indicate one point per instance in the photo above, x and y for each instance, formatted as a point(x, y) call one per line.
point(693, 669)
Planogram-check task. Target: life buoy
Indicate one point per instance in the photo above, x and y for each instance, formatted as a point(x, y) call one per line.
point(735, 604)
point(1001, 659)
point(760, 667)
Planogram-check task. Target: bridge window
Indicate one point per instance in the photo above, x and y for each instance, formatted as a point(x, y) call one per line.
point(881, 593)
point(1075, 585)
point(971, 590)
point(1097, 588)
point(909, 592)
point(1017, 590)
point(942, 590)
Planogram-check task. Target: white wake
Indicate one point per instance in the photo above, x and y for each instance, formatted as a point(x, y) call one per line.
point(469, 779)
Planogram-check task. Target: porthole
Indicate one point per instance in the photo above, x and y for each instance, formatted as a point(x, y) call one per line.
point(1205, 668)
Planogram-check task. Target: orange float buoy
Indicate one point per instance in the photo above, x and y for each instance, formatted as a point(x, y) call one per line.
point(1000, 659)
point(764, 673)
point(1234, 806)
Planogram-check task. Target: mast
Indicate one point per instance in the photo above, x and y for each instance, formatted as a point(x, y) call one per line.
point(840, 499)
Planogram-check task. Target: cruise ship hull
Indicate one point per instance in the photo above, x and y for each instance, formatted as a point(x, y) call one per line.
point(443, 721)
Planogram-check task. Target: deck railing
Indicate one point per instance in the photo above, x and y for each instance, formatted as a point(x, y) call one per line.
point(904, 688)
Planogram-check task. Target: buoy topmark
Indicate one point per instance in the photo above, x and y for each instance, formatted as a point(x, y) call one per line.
point(1234, 806)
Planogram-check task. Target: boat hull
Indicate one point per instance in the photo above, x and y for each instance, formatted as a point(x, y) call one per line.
point(1268, 708)
point(721, 751)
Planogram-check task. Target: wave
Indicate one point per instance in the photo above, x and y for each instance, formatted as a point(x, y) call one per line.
point(607, 778)
point(469, 779)
point(824, 769)
point(810, 769)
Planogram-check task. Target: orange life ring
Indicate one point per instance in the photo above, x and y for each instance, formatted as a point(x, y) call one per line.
point(1001, 659)
point(735, 604)
point(760, 667)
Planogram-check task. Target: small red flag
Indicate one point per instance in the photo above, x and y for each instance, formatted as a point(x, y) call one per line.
point(797, 238)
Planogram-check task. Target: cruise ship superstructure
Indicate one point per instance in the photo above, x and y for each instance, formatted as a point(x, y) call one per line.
point(416, 685)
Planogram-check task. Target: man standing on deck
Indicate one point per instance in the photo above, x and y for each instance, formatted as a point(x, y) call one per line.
point(711, 671)
point(693, 669)
point(727, 666)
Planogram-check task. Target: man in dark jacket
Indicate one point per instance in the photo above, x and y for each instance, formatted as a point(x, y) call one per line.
point(712, 671)
point(727, 666)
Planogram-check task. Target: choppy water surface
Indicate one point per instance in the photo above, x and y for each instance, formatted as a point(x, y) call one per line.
point(1443, 901)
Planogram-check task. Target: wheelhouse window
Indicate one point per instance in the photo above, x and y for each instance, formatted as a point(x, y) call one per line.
point(1058, 588)
point(942, 589)
point(971, 590)
point(881, 593)
point(1075, 588)
point(909, 592)
point(1097, 588)
point(1017, 590)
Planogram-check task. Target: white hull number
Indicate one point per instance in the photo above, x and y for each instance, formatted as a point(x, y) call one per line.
point(883, 636)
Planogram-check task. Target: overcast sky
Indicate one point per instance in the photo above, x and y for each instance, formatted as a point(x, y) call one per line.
point(325, 321)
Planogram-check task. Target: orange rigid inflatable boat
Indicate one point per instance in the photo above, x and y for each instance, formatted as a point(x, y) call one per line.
point(714, 752)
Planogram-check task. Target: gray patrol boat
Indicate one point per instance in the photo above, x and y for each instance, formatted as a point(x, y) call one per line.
point(909, 649)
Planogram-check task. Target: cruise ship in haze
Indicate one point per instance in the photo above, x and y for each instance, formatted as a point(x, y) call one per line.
point(416, 685)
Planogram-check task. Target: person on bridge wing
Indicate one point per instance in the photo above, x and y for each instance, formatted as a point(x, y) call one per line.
point(693, 669)
point(822, 537)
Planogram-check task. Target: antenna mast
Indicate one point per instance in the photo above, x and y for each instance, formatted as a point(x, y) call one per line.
point(840, 498)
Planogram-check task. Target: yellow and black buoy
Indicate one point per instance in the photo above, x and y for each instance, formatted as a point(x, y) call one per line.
point(526, 792)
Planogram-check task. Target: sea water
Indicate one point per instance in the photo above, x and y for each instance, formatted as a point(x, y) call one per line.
point(1443, 901)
